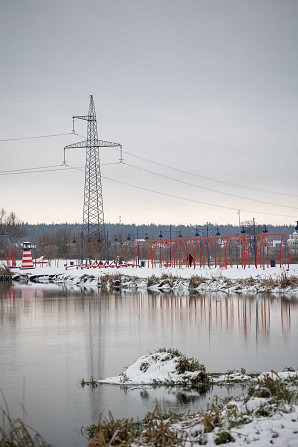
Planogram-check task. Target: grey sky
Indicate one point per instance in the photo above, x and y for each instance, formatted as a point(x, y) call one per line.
point(205, 86)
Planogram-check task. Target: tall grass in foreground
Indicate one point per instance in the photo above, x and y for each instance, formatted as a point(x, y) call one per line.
point(15, 433)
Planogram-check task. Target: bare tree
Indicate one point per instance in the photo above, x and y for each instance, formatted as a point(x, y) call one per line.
point(10, 225)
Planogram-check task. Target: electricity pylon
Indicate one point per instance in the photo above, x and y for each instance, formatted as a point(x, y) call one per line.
point(93, 216)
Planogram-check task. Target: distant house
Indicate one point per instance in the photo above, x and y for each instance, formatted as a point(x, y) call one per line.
point(293, 241)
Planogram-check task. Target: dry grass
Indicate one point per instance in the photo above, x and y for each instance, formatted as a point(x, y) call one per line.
point(5, 272)
point(195, 281)
point(15, 433)
point(152, 280)
point(154, 429)
point(171, 429)
point(282, 281)
point(109, 280)
point(211, 418)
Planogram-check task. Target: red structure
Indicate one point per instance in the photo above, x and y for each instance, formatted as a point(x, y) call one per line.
point(7, 258)
point(14, 261)
point(220, 251)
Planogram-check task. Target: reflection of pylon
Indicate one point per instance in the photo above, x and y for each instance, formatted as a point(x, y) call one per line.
point(27, 262)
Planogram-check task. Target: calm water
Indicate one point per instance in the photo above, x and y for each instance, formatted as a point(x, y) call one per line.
point(52, 336)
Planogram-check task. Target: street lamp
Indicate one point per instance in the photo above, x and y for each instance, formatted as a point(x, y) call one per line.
point(171, 234)
point(206, 231)
point(146, 238)
point(82, 246)
point(265, 230)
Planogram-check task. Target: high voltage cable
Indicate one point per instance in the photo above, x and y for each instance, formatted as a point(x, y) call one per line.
point(67, 167)
point(39, 136)
point(46, 169)
point(208, 189)
point(30, 169)
point(199, 175)
point(185, 198)
point(42, 100)
point(205, 177)
point(193, 200)
point(201, 142)
point(37, 171)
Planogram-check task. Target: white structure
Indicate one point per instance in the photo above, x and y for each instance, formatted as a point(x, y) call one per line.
point(293, 241)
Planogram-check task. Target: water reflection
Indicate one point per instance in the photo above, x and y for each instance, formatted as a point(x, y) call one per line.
point(246, 313)
point(209, 316)
point(55, 335)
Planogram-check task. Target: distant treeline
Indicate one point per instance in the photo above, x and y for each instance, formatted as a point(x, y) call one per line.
point(121, 231)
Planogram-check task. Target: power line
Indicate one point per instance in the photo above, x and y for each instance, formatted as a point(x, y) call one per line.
point(209, 189)
point(68, 167)
point(47, 168)
point(237, 185)
point(41, 100)
point(35, 172)
point(193, 200)
point(178, 132)
point(208, 178)
point(29, 169)
point(39, 136)
point(185, 198)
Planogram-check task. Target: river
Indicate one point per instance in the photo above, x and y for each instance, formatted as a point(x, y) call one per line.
point(52, 336)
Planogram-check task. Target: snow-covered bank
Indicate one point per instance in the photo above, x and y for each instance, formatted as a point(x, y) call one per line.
point(267, 414)
point(171, 367)
point(164, 367)
point(231, 280)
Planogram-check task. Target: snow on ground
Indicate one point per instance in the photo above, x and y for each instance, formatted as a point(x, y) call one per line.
point(57, 267)
point(266, 415)
point(280, 430)
point(162, 367)
point(228, 280)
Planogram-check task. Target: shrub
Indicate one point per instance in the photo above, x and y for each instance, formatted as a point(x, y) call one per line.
point(195, 281)
point(223, 438)
point(189, 364)
point(152, 280)
point(5, 271)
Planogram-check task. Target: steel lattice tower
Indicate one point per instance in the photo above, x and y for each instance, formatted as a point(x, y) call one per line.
point(93, 215)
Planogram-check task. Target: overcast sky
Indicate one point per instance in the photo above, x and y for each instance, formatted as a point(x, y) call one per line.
point(207, 87)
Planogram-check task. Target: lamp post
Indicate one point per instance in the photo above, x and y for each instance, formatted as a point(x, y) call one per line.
point(82, 246)
point(207, 232)
point(265, 230)
point(116, 245)
point(170, 233)
point(108, 253)
point(139, 235)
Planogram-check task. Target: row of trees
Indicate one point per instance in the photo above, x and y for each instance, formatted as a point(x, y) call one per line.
point(63, 244)
point(64, 241)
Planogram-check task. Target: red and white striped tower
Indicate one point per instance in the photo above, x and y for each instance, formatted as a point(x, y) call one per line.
point(27, 261)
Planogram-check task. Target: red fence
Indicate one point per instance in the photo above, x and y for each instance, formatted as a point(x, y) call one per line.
point(222, 251)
